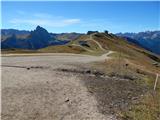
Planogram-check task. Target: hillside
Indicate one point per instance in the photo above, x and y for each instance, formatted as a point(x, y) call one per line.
point(99, 43)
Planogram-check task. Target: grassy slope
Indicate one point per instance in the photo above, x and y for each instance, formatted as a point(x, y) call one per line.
point(62, 49)
point(19, 51)
point(141, 65)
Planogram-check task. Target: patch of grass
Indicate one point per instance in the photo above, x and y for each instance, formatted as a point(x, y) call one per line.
point(62, 49)
point(117, 55)
point(148, 107)
point(116, 66)
point(15, 51)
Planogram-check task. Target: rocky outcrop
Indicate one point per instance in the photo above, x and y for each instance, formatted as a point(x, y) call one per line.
point(91, 32)
point(106, 31)
point(39, 38)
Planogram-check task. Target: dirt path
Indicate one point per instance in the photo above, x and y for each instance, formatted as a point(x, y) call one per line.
point(36, 91)
point(92, 39)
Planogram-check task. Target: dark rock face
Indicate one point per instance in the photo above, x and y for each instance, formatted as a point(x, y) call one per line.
point(91, 32)
point(106, 32)
point(39, 38)
point(149, 40)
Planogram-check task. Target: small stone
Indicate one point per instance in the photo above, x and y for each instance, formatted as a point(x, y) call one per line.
point(134, 98)
point(88, 71)
point(28, 68)
point(67, 100)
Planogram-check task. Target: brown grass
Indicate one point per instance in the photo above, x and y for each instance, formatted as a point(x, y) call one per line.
point(146, 107)
point(62, 49)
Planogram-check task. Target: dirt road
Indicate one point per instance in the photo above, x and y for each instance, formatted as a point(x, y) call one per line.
point(34, 89)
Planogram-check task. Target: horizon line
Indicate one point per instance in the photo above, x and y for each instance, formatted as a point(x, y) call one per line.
point(79, 32)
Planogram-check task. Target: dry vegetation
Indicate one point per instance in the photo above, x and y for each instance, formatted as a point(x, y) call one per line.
point(62, 49)
point(140, 73)
point(12, 51)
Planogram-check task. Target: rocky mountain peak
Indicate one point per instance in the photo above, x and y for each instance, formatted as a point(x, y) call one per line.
point(41, 30)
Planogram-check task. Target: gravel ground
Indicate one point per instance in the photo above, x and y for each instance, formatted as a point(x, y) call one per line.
point(32, 89)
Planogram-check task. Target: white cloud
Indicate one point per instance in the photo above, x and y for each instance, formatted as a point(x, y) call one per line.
point(48, 20)
point(70, 21)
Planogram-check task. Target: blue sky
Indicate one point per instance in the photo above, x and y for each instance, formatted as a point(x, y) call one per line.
point(82, 16)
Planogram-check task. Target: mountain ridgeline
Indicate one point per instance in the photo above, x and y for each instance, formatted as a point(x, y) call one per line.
point(149, 40)
point(41, 38)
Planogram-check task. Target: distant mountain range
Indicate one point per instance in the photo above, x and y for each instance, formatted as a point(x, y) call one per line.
point(41, 38)
point(149, 40)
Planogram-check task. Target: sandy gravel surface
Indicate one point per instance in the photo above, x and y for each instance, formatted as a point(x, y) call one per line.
point(32, 89)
